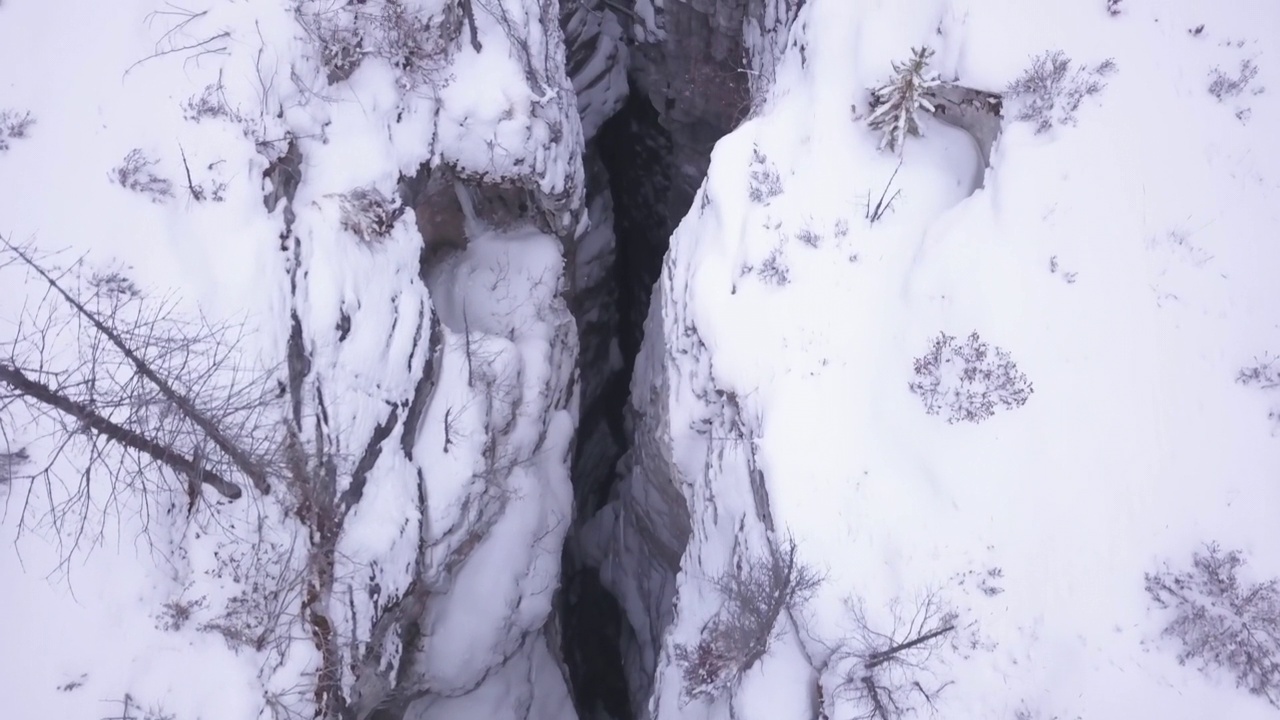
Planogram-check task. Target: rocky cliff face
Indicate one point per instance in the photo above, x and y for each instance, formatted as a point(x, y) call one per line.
point(692, 65)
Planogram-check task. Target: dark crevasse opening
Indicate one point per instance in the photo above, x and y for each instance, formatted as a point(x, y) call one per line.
point(637, 151)
point(634, 152)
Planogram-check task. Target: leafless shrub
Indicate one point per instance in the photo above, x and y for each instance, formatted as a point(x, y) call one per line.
point(968, 381)
point(1223, 86)
point(987, 582)
point(1264, 373)
point(539, 71)
point(369, 214)
point(213, 189)
point(175, 614)
point(773, 269)
point(136, 174)
point(74, 683)
point(889, 670)
point(417, 44)
point(1053, 88)
point(885, 203)
point(1221, 621)
point(754, 594)
point(174, 41)
point(259, 616)
point(1068, 276)
point(14, 126)
point(1113, 7)
point(809, 237)
point(766, 183)
point(211, 104)
point(132, 709)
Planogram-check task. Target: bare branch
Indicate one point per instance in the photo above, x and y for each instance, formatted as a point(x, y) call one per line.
point(17, 381)
point(247, 465)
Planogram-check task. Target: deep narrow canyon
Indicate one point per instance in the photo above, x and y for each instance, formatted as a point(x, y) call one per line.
point(686, 89)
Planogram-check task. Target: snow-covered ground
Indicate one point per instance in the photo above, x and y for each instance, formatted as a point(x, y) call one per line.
point(209, 107)
point(1126, 261)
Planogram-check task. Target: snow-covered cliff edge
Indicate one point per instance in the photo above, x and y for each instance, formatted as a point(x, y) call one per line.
point(1122, 259)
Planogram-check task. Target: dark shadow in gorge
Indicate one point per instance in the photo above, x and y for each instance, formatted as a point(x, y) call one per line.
point(636, 151)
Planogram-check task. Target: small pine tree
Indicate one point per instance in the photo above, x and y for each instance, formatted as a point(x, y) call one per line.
point(896, 103)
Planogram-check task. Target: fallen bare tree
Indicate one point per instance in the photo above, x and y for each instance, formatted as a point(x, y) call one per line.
point(129, 393)
point(122, 396)
point(888, 670)
point(129, 398)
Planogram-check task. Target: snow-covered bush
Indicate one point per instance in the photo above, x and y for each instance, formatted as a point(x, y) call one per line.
point(753, 596)
point(1055, 268)
point(369, 214)
point(417, 44)
point(175, 614)
point(261, 615)
point(202, 414)
point(894, 105)
point(14, 126)
point(211, 104)
point(135, 174)
point(1221, 621)
point(1053, 88)
point(1223, 86)
point(809, 237)
point(130, 708)
point(773, 269)
point(1263, 374)
point(766, 183)
point(968, 380)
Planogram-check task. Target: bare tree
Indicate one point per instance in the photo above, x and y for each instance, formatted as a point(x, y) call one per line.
point(131, 389)
point(754, 594)
point(888, 670)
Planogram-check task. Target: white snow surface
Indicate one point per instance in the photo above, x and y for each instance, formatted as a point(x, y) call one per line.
point(1137, 446)
point(84, 630)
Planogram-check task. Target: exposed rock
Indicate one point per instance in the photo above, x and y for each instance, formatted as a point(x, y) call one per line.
point(637, 541)
point(974, 111)
point(596, 61)
point(694, 67)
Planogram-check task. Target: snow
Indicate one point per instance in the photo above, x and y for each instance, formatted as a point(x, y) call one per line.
point(126, 77)
point(1137, 444)
point(503, 452)
point(1125, 260)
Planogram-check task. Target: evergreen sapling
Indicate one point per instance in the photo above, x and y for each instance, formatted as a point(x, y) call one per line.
point(895, 104)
